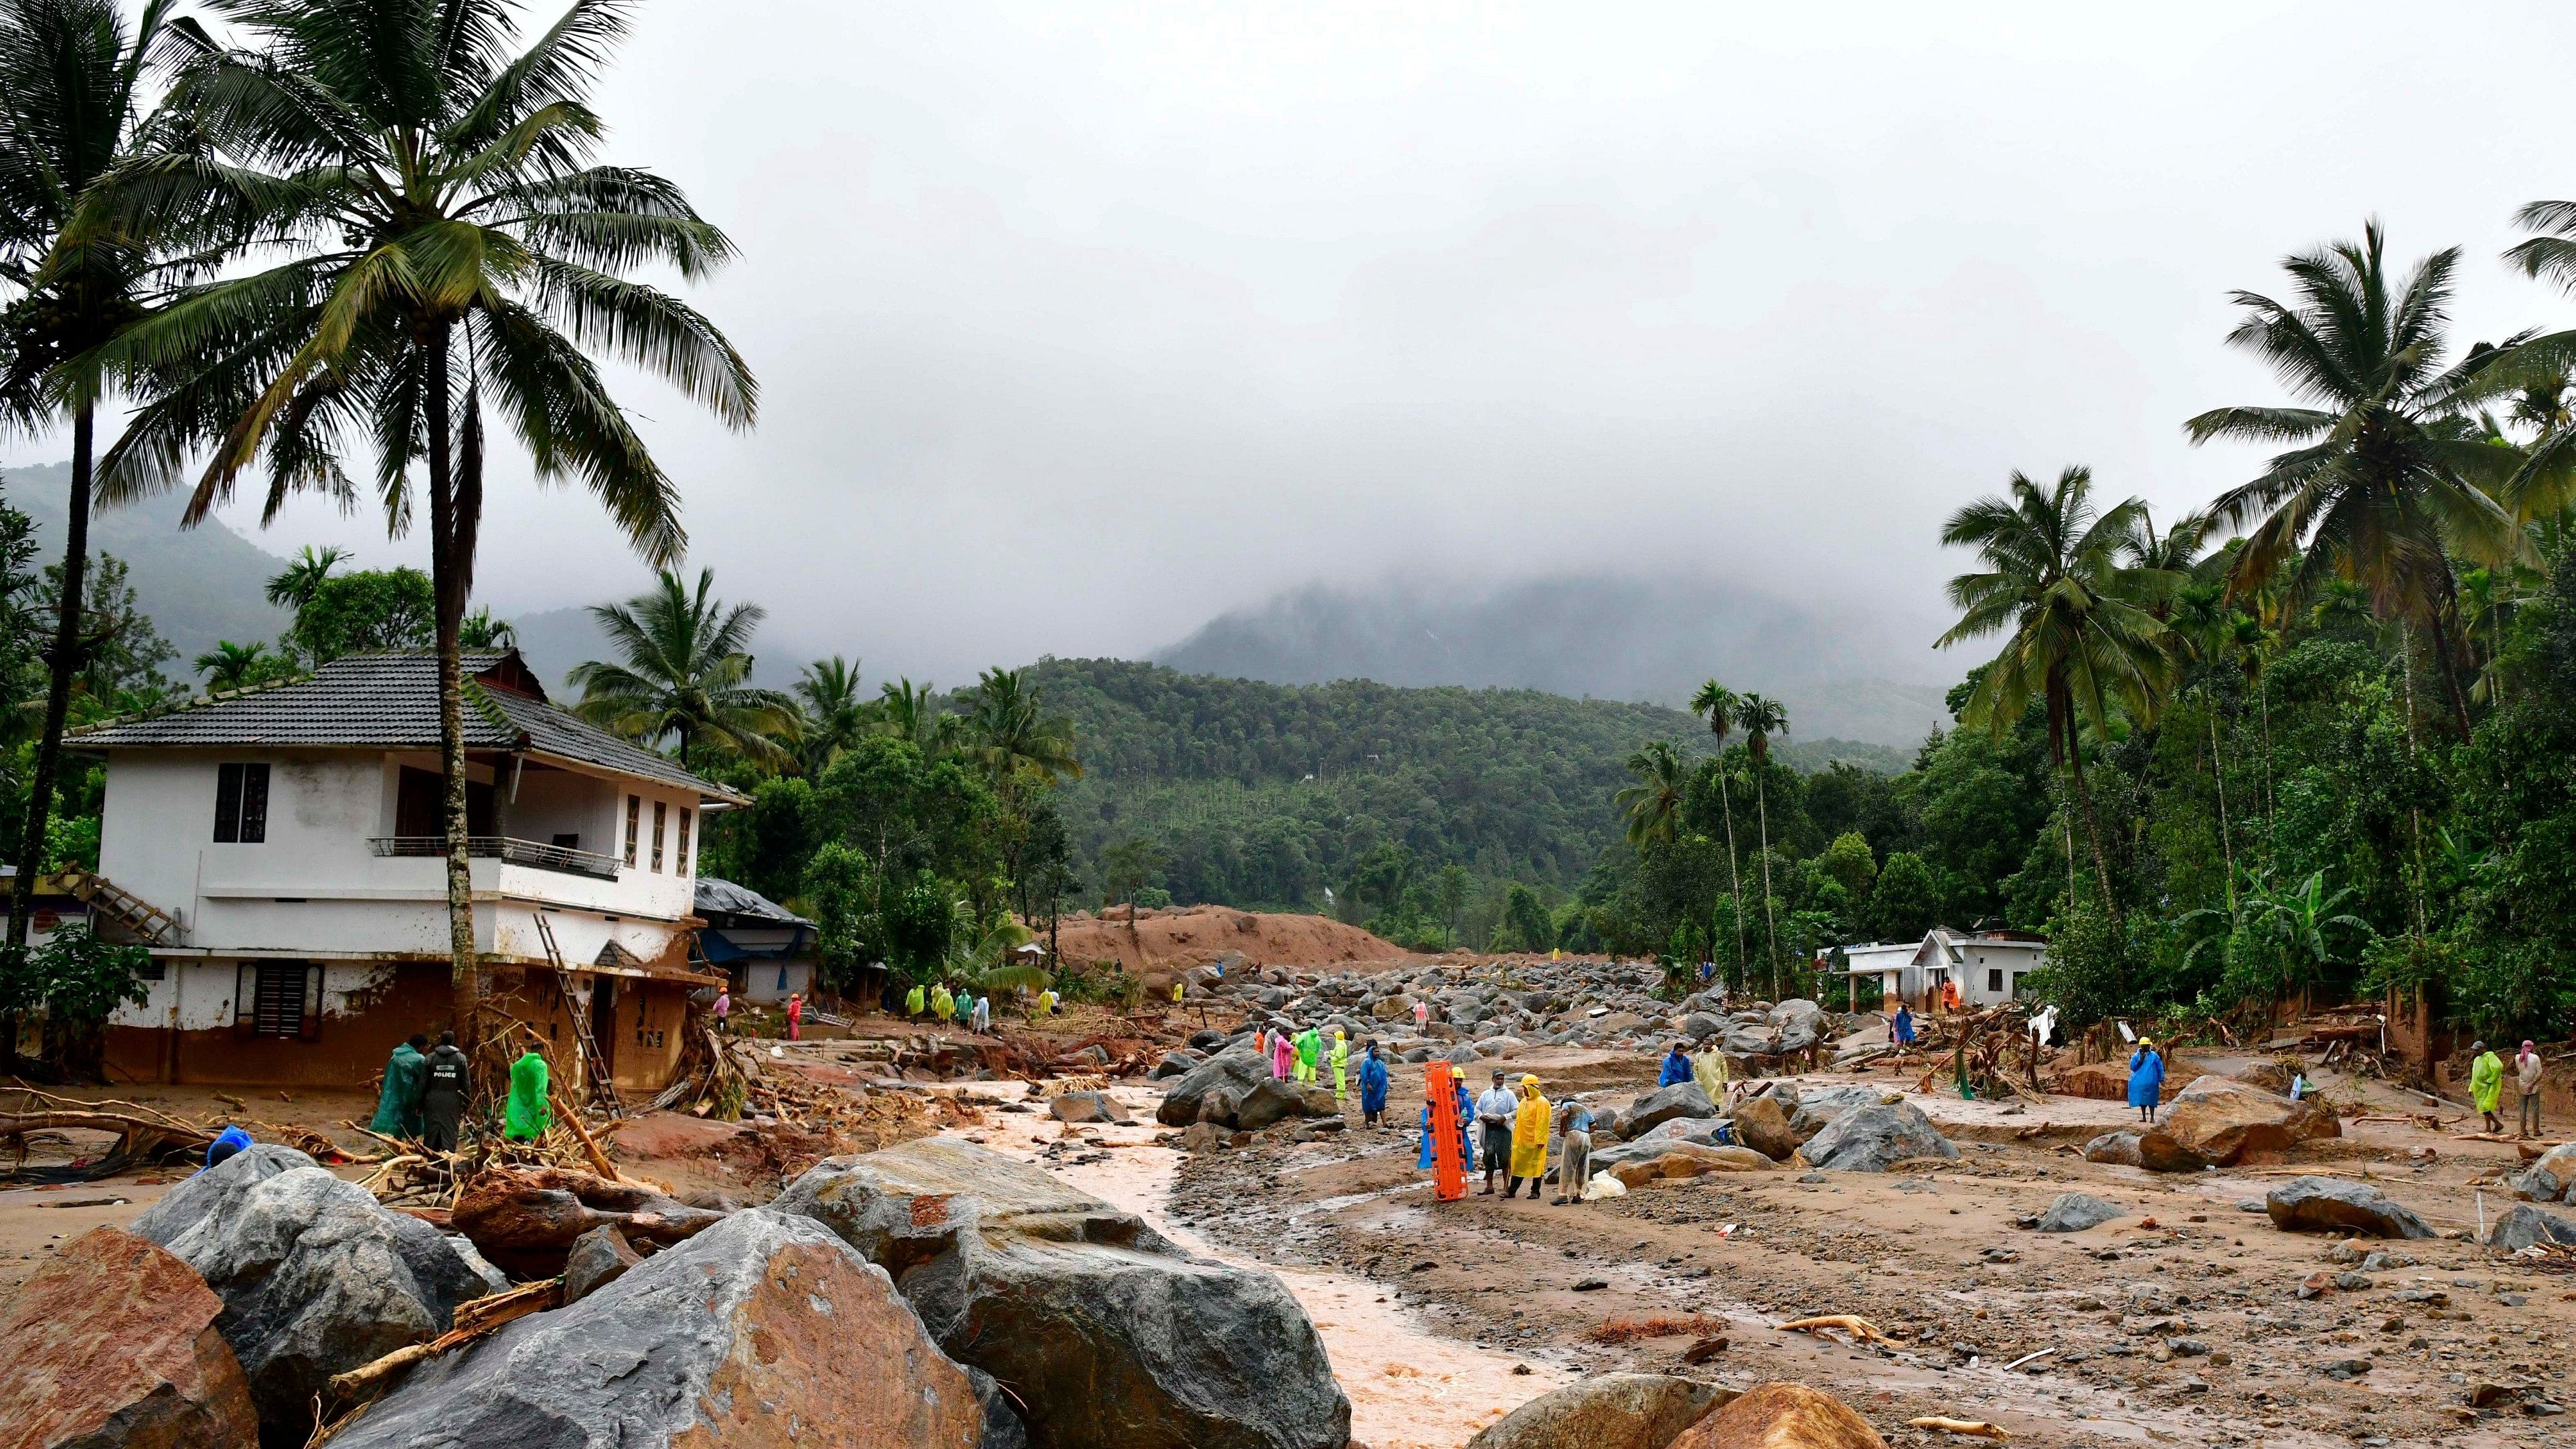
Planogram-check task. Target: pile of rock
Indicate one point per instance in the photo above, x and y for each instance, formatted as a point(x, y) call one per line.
point(1658, 1411)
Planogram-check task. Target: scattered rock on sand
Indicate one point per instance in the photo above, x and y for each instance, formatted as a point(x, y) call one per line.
point(2223, 1119)
point(2075, 1212)
point(316, 1280)
point(1234, 1071)
point(1874, 1139)
point(763, 1332)
point(1608, 1411)
point(1819, 1107)
point(1110, 1335)
point(113, 1345)
point(1088, 1108)
point(1782, 1416)
point(2332, 1204)
point(2552, 1178)
point(1274, 1102)
point(2526, 1226)
point(1764, 1127)
point(1680, 1100)
point(2152, 1148)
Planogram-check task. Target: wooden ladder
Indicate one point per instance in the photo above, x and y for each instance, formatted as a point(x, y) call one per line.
point(594, 1067)
point(152, 924)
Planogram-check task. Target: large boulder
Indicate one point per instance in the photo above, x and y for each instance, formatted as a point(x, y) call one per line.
point(1874, 1139)
point(1681, 1099)
point(1656, 1141)
point(2526, 1227)
point(2152, 1148)
point(1818, 1107)
point(1686, 1161)
point(1763, 1125)
point(1234, 1071)
point(2552, 1178)
point(215, 1191)
point(2076, 1212)
point(1605, 1411)
point(527, 1218)
point(2337, 1205)
point(316, 1279)
point(1782, 1416)
point(1088, 1109)
point(1109, 1334)
point(2223, 1119)
point(764, 1332)
point(113, 1345)
point(1274, 1102)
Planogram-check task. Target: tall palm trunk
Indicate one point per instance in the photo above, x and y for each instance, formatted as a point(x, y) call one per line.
point(2062, 722)
point(449, 572)
point(1734, 875)
point(2218, 772)
point(62, 662)
point(1770, 923)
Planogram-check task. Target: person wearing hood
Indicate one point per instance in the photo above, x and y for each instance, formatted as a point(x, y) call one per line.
point(915, 1002)
point(527, 1114)
point(398, 1107)
point(1341, 1065)
point(943, 1003)
point(1282, 1054)
point(1677, 1068)
point(2527, 1072)
point(446, 1081)
point(1373, 1084)
point(2486, 1085)
point(228, 1142)
point(1709, 1067)
point(2146, 1080)
point(1900, 1029)
point(1529, 1139)
point(1310, 1049)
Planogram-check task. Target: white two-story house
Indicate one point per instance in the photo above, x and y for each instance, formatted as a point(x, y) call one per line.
point(281, 851)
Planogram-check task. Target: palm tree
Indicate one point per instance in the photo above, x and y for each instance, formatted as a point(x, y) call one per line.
point(71, 108)
point(1760, 719)
point(2081, 633)
point(1717, 704)
point(906, 711)
point(1654, 804)
point(2387, 476)
point(230, 666)
point(479, 630)
point(448, 241)
point(685, 675)
point(1012, 732)
point(827, 691)
point(293, 587)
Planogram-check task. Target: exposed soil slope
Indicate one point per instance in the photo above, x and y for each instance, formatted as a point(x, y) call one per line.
point(1168, 940)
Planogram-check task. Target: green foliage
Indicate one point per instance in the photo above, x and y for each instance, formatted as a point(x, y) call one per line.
point(2091, 970)
point(682, 675)
point(1905, 902)
point(364, 611)
point(1526, 926)
point(76, 979)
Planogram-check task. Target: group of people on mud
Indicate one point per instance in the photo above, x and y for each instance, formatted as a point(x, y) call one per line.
point(426, 1089)
point(947, 1006)
point(1302, 1057)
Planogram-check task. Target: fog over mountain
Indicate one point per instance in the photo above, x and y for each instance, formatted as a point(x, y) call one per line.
point(1841, 669)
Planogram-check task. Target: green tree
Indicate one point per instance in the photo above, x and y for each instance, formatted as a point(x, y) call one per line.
point(444, 227)
point(1850, 864)
point(121, 650)
point(1905, 902)
point(2078, 635)
point(2384, 478)
point(368, 611)
point(914, 714)
point(1760, 719)
point(683, 674)
point(1454, 882)
point(1718, 704)
point(1526, 919)
point(293, 587)
point(1654, 804)
point(835, 716)
point(234, 666)
point(1012, 732)
point(71, 109)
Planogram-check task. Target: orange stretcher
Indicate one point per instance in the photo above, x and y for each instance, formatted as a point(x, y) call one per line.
point(1448, 1143)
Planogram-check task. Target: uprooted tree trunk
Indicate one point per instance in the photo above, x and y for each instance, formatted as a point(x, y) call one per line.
point(525, 1218)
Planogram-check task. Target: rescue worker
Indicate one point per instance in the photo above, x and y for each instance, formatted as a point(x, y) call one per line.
point(943, 1004)
point(982, 1021)
point(446, 1081)
point(2146, 1080)
point(1494, 1113)
point(227, 1142)
point(1310, 1049)
point(1422, 1015)
point(1373, 1084)
point(1045, 1006)
point(1709, 1067)
point(1574, 1153)
point(1179, 989)
point(1282, 1055)
point(915, 1002)
point(1901, 1029)
point(398, 1106)
point(1529, 1139)
point(1341, 1065)
point(1466, 1108)
point(1677, 1068)
point(2527, 1072)
point(2486, 1085)
point(795, 1014)
point(528, 1114)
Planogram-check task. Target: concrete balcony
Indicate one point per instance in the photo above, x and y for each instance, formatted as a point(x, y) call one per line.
point(533, 854)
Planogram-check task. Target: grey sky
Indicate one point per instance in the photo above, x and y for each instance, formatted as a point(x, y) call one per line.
point(1079, 324)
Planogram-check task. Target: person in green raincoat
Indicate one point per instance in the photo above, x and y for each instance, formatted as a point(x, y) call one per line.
point(1310, 1047)
point(2486, 1085)
point(914, 1003)
point(1341, 1065)
point(528, 1114)
point(398, 1108)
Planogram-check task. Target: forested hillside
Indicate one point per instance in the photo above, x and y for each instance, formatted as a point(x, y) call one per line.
point(1268, 795)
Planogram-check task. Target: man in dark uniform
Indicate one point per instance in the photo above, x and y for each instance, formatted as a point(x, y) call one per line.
point(442, 1100)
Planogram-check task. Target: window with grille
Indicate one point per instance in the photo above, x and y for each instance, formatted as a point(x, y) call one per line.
point(241, 804)
point(634, 820)
point(1994, 981)
point(680, 855)
point(278, 999)
point(661, 818)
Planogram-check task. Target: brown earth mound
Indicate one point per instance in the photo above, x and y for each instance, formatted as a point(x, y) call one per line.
point(1161, 942)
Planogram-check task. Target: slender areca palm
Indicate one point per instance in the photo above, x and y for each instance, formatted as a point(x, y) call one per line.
point(293, 587)
point(1760, 719)
point(448, 242)
point(906, 711)
point(2386, 475)
point(1716, 703)
point(230, 666)
point(685, 674)
point(1654, 804)
point(2081, 634)
point(827, 692)
point(71, 109)
point(1012, 732)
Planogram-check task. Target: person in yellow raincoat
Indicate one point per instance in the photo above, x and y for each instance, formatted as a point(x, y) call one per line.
point(1179, 988)
point(528, 1114)
point(1341, 1065)
point(943, 1004)
point(1529, 1140)
point(2486, 1085)
point(914, 1003)
point(1709, 1069)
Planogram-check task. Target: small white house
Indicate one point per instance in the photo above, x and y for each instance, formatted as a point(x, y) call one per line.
point(1987, 965)
point(281, 850)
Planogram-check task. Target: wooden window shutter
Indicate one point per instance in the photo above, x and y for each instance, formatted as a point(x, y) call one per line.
point(310, 1026)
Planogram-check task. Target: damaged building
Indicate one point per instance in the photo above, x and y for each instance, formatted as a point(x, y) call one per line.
point(280, 851)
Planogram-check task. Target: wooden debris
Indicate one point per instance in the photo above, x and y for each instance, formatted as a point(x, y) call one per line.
point(1974, 1428)
point(1860, 1329)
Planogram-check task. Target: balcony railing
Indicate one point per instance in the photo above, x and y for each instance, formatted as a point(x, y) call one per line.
point(533, 853)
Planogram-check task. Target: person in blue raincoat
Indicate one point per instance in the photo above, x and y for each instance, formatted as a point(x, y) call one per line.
point(1373, 1086)
point(1901, 1030)
point(1677, 1068)
point(1466, 1130)
point(2146, 1080)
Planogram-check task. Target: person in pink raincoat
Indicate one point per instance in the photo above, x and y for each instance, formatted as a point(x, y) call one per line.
point(1280, 1055)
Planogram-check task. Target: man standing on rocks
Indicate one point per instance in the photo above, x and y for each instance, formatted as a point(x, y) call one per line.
point(2146, 1080)
point(1310, 1047)
point(1529, 1139)
point(398, 1107)
point(2526, 1076)
point(445, 1080)
point(1494, 1113)
point(2486, 1085)
point(1422, 1014)
point(1574, 1159)
point(1373, 1085)
point(1341, 1066)
point(1677, 1068)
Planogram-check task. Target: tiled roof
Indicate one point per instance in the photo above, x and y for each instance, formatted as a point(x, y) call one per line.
point(389, 702)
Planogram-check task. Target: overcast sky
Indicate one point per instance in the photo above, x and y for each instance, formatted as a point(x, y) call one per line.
point(1079, 324)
